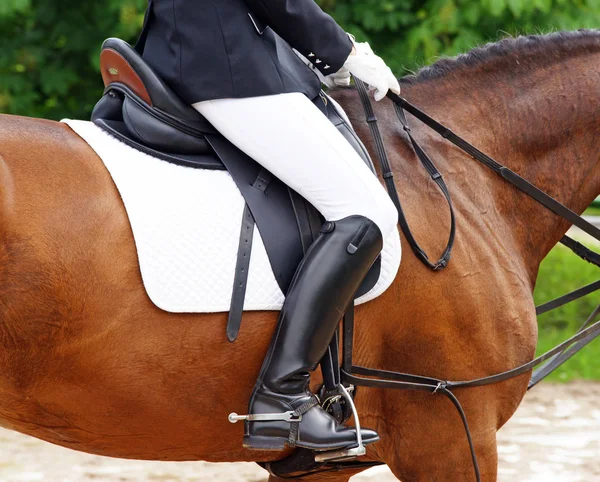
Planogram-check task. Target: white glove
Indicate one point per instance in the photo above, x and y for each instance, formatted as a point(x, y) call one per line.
point(371, 69)
point(339, 79)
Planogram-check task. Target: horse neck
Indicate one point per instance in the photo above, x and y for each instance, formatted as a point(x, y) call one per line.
point(543, 123)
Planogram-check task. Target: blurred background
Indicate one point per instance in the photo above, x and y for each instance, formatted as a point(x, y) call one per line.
point(49, 67)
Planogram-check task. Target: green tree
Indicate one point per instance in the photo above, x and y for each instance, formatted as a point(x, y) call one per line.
point(49, 53)
point(49, 50)
point(411, 33)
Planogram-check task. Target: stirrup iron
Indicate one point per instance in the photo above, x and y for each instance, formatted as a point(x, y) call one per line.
point(345, 454)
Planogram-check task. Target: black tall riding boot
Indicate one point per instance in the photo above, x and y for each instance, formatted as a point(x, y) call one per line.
point(320, 293)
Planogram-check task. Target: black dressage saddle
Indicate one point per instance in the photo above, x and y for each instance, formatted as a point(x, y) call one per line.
point(139, 109)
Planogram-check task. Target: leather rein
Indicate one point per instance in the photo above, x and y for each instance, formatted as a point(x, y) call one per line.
point(548, 362)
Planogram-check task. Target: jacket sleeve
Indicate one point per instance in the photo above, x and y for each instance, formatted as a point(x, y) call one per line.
point(308, 29)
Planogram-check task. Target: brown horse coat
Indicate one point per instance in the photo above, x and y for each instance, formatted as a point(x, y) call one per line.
point(88, 362)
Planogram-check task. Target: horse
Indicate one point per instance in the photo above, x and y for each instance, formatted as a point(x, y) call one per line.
point(89, 363)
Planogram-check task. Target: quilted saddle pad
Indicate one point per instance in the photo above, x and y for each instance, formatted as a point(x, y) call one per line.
point(186, 225)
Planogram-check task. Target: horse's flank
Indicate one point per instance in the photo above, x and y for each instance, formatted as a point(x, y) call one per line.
point(88, 362)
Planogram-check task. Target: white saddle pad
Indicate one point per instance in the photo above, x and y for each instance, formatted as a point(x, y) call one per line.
point(186, 224)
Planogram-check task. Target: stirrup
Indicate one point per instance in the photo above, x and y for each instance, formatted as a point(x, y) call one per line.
point(345, 454)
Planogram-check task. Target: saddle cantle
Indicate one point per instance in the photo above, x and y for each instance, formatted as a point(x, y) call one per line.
point(139, 109)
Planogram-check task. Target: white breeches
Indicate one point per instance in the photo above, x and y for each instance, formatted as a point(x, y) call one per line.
point(290, 137)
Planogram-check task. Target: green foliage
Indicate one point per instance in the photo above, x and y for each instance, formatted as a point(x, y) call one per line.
point(49, 53)
point(410, 33)
point(560, 273)
point(49, 49)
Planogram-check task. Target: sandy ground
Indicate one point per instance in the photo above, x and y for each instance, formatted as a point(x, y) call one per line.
point(555, 436)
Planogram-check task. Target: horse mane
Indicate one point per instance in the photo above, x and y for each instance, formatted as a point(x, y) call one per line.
point(546, 48)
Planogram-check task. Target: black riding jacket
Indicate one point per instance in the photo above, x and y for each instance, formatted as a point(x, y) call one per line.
point(211, 49)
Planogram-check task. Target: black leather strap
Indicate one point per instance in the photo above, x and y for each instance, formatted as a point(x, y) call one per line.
point(437, 178)
point(295, 426)
point(348, 326)
point(388, 177)
point(242, 268)
point(511, 176)
point(560, 358)
point(563, 300)
point(582, 251)
point(240, 280)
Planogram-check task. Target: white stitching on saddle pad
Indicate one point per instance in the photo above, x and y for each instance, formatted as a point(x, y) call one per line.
point(186, 226)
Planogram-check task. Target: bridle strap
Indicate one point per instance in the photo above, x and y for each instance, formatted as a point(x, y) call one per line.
point(582, 251)
point(560, 358)
point(563, 300)
point(388, 177)
point(520, 183)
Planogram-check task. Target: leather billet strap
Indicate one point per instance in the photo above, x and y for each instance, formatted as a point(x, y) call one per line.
point(242, 268)
point(240, 280)
point(388, 177)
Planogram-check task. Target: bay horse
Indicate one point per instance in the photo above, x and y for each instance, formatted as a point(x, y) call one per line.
point(89, 363)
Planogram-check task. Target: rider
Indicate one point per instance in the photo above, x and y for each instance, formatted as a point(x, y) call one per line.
point(233, 61)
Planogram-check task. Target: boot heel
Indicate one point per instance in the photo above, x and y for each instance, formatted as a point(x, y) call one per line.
point(256, 442)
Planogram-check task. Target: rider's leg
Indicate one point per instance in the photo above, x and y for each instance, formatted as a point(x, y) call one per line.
point(291, 138)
